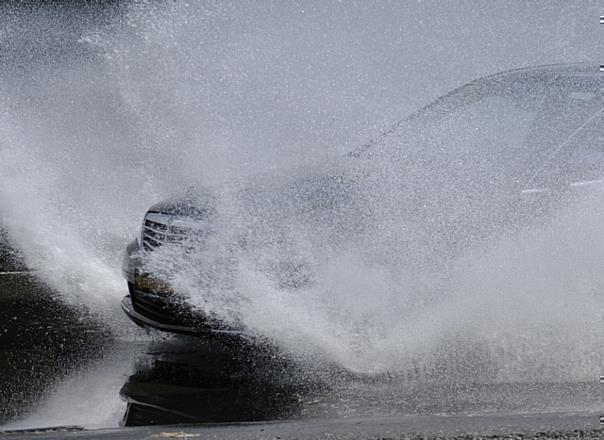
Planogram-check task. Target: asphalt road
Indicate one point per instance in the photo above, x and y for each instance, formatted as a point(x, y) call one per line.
point(555, 426)
point(62, 368)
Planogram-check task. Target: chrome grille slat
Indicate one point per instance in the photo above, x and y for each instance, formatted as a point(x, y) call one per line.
point(157, 231)
point(154, 239)
point(154, 234)
point(148, 247)
point(161, 226)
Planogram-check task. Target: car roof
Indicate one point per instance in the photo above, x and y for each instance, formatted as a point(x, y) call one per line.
point(562, 69)
point(545, 72)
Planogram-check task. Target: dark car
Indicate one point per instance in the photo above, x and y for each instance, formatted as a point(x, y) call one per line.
point(493, 156)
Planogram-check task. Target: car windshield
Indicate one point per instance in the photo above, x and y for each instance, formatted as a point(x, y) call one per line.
point(533, 131)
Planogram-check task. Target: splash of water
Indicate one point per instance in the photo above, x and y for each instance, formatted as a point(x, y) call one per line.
point(117, 112)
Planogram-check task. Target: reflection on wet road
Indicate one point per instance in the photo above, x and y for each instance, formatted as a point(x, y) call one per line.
point(62, 367)
point(181, 381)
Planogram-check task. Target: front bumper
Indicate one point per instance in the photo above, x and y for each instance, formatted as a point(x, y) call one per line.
point(165, 310)
point(207, 332)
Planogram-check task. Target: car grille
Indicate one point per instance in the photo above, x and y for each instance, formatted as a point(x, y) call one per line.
point(159, 229)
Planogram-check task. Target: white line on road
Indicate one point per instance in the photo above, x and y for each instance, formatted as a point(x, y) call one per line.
point(17, 272)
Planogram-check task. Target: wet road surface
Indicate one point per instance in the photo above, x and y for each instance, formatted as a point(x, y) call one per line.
point(62, 367)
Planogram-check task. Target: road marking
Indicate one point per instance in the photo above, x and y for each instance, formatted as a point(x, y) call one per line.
point(17, 272)
point(179, 435)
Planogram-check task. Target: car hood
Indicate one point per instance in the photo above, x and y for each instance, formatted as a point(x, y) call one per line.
point(196, 203)
point(318, 191)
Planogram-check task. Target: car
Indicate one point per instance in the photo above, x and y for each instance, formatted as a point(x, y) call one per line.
point(493, 156)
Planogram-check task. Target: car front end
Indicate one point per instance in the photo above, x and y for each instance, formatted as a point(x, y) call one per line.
point(152, 302)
